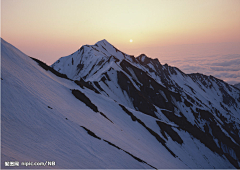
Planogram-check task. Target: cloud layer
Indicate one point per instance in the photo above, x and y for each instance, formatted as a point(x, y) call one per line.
point(225, 67)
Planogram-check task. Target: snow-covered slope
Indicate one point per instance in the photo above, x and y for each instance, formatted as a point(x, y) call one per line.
point(118, 115)
point(237, 85)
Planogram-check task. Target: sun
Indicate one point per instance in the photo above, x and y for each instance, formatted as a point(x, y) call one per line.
point(131, 40)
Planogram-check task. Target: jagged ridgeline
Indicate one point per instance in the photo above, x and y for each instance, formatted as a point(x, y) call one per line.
point(102, 108)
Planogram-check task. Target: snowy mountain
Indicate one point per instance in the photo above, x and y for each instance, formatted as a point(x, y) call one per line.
point(102, 108)
point(237, 85)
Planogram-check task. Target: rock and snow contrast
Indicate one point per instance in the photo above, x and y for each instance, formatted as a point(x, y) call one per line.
point(101, 108)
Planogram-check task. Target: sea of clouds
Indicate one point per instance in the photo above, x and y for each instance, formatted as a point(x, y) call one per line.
point(225, 67)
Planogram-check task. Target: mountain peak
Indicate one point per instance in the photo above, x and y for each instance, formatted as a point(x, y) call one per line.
point(103, 42)
point(142, 58)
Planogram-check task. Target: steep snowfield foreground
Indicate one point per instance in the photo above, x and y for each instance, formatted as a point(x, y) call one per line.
point(49, 118)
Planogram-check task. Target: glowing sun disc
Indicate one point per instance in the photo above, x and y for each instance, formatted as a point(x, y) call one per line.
point(131, 40)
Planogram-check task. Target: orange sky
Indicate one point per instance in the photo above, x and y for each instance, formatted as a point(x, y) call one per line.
point(50, 29)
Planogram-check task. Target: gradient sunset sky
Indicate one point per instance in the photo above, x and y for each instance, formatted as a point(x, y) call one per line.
point(50, 29)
